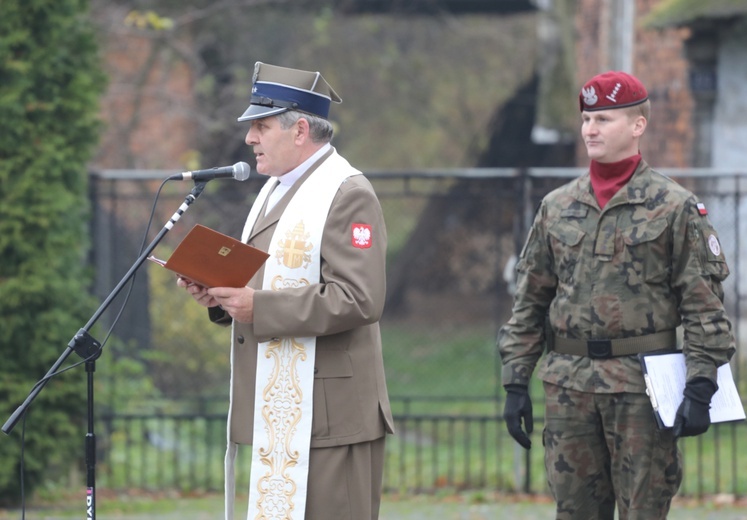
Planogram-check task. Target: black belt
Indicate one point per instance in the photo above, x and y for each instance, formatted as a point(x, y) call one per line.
point(609, 348)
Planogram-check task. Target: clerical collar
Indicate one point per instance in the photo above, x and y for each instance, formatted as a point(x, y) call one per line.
point(292, 176)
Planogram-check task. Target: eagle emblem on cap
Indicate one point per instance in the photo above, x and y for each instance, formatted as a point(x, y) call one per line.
point(590, 96)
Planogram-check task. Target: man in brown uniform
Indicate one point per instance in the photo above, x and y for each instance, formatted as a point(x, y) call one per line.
point(290, 137)
point(614, 262)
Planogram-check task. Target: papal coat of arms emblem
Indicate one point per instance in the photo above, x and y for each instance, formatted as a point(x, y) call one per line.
point(293, 250)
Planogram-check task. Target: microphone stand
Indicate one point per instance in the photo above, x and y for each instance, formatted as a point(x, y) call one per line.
point(89, 349)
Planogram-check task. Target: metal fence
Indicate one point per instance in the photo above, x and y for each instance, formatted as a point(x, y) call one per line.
point(452, 234)
point(429, 453)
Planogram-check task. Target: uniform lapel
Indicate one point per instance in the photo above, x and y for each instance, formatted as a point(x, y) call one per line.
point(266, 221)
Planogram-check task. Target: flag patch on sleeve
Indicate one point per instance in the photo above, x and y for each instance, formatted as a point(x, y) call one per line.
point(362, 236)
point(702, 209)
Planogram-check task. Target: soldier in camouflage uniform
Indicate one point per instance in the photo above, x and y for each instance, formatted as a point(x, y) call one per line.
point(614, 262)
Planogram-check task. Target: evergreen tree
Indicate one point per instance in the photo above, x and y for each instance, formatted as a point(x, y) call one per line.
point(50, 83)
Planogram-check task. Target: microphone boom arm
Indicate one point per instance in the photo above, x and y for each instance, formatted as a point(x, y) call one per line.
point(83, 335)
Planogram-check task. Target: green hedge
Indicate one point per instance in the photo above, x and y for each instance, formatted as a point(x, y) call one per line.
point(50, 83)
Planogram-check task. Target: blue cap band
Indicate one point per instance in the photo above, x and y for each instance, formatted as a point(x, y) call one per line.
point(274, 95)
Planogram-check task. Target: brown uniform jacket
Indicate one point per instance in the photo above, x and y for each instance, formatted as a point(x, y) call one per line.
point(350, 402)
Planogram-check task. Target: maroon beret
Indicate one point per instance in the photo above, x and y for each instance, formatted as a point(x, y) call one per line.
point(612, 89)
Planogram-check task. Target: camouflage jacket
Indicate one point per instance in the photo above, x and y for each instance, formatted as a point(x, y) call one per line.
point(649, 262)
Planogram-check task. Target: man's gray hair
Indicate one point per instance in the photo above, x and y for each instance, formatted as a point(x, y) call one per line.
point(320, 130)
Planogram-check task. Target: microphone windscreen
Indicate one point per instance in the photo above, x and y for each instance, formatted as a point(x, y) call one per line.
point(241, 171)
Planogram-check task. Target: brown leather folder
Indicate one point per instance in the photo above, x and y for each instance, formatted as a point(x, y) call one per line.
point(212, 259)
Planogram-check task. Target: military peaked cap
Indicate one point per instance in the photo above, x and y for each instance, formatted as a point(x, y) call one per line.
point(278, 89)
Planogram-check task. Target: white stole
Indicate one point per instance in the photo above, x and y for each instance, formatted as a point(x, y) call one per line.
point(285, 365)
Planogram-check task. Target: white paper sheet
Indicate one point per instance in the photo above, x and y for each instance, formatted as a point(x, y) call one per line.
point(665, 381)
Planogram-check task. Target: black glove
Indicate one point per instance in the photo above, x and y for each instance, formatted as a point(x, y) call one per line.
point(518, 406)
point(693, 416)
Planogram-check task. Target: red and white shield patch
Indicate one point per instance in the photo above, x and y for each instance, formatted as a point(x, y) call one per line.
point(362, 236)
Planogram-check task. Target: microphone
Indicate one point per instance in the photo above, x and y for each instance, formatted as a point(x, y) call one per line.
point(239, 171)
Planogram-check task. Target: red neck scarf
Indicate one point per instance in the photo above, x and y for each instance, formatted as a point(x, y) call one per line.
point(608, 178)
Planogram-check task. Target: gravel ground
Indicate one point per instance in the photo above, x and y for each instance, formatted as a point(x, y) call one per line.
point(418, 509)
point(461, 507)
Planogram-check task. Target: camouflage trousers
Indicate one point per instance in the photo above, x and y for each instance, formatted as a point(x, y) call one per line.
point(603, 450)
